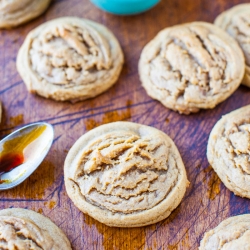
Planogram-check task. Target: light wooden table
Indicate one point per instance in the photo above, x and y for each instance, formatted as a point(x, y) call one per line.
point(206, 203)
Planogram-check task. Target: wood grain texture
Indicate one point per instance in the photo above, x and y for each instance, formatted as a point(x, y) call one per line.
point(206, 203)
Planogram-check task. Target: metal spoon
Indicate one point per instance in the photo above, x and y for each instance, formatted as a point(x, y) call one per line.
point(22, 152)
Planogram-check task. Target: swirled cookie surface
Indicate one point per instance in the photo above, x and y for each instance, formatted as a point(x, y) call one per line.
point(16, 12)
point(229, 150)
point(125, 172)
point(191, 66)
point(70, 58)
point(236, 22)
point(233, 233)
point(16, 233)
point(26, 229)
point(66, 54)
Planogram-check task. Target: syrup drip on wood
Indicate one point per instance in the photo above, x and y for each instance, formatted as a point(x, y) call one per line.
point(12, 154)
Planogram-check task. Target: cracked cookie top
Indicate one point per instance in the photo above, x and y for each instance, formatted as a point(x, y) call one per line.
point(70, 59)
point(228, 150)
point(236, 22)
point(233, 233)
point(16, 12)
point(191, 66)
point(125, 174)
point(25, 229)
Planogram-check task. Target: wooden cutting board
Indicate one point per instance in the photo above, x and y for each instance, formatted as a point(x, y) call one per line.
point(207, 202)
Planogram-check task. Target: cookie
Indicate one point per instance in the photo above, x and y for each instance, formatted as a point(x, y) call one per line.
point(228, 150)
point(235, 22)
point(69, 58)
point(16, 12)
point(191, 66)
point(233, 233)
point(26, 229)
point(125, 174)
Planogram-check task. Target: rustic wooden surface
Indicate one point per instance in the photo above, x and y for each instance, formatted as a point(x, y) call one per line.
point(206, 203)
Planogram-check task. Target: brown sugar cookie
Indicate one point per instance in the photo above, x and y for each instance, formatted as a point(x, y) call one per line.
point(26, 229)
point(228, 150)
point(125, 174)
point(232, 233)
point(236, 22)
point(70, 58)
point(16, 12)
point(191, 66)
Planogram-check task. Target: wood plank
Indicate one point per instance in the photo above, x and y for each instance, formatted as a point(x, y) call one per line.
point(207, 202)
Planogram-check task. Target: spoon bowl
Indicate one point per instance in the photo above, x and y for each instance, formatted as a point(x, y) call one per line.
point(22, 152)
point(125, 7)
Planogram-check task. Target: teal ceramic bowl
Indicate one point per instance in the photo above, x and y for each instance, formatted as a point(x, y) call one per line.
point(125, 7)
